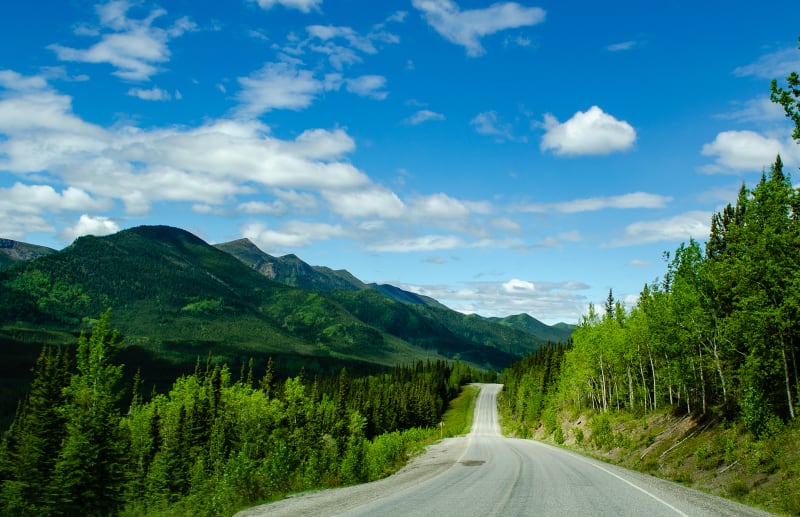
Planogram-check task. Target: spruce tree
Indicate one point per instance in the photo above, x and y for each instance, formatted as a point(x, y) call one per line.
point(89, 473)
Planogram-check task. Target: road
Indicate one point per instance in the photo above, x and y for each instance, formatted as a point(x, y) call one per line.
point(486, 474)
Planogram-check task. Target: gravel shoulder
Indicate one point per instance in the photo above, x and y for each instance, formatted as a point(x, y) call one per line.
point(436, 459)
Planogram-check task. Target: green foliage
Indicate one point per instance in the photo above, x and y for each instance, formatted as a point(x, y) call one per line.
point(789, 98)
point(209, 445)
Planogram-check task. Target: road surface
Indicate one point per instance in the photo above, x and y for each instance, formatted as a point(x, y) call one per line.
point(485, 474)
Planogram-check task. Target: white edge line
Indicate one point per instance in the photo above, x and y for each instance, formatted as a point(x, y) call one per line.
point(637, 487)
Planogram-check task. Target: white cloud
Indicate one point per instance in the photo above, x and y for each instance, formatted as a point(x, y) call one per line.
point(277, 86)
point(368, 86)
point(437, 207)
point(153, 94)
point(682, 227)
point(38, 199)
point(639, 263)
point(421, 243)
point(591, 204)
point(747, 151)
point(488, 123)
point(210, 164)
point(90, 225)
point(759, 109)
point(134, 47)
point(517, 286)
point(261, 208)
point(774, 65)
point(621, 46)
point(12, 80)
point(550, 302)
point(305, 6)
point(293, 234)
point(466, 28)
point(342, 45)
point(591, 132)
point(423, 116)
point(373, 201)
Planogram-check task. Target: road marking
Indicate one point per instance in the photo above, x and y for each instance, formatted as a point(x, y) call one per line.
point(637, 487)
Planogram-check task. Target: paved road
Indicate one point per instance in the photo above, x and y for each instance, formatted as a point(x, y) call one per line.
point(494, 475)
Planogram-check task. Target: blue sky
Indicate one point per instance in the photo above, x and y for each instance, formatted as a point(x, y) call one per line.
point(502, 158)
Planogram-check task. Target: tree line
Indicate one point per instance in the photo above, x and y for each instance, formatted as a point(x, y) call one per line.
point(720, 332)
point(210, 444)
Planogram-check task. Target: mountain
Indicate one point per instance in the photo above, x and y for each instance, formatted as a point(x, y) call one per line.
point(14, 251)
point(559, 332)
point(290, 270)
point(515, 335)
point(175, 297)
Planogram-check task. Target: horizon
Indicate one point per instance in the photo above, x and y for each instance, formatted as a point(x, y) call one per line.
point(501, 158)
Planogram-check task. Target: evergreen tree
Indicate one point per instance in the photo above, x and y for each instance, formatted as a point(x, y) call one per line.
point(89, 472)
point(34, 440)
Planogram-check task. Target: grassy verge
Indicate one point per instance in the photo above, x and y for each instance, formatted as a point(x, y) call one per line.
point(458, 417)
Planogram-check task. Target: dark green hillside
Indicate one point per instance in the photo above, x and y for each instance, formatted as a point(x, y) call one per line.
point(290, 270)
point(481, 331)
point(558, 333)
point(178, 297)
point(409, 323)
point(401, 295)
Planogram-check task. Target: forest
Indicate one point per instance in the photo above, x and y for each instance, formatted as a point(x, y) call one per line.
point(713, 344)
point(82, 445)
point(720, 332)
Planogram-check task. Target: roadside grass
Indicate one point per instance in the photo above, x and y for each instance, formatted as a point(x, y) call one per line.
point(458, 416)
point(706, 453)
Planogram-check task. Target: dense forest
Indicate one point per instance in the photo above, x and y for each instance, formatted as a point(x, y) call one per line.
point(81, 445)
point(719, 333)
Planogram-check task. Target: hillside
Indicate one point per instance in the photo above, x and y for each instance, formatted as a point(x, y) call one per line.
point(14, 251)
point(559, 332)
point(290, 270)
point(174, 297)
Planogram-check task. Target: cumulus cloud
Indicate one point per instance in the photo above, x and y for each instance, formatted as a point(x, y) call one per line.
point(368, 86)
point(12, 80)
point(90, 225)
point(421, 243)
point(262, 208)
point(422, 116)
point(591, 132)
point(591, 204)
point(209, 164)
point(305, 6)
point(682, 227)
point(370, 202)
point(746, 151)
point(134, 47)
point(293, 234)
point(466, 28)
point(343, 46)
point(277, 86)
